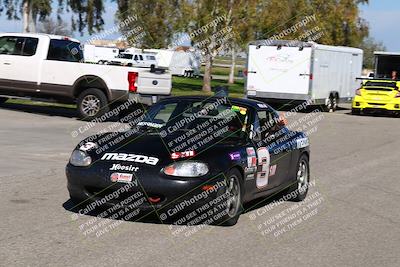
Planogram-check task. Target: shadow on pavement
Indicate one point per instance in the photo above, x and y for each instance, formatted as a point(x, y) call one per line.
point(41, 110)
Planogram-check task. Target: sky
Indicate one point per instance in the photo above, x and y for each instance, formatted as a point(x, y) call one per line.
point(383, 17)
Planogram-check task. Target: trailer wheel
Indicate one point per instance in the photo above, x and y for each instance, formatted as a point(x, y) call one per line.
point(332, 104)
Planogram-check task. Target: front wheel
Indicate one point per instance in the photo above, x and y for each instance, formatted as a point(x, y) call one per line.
point(233, 202)
point(299, 190)
point(92, 103)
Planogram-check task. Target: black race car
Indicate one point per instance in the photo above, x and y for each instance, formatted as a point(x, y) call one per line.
point(190, 160)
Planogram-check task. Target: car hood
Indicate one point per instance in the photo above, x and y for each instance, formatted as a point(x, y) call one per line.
point(152, 150)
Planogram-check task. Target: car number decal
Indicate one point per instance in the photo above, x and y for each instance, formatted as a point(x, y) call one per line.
point(263, 167)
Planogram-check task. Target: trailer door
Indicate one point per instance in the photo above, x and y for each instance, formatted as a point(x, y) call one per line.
point(279, 71)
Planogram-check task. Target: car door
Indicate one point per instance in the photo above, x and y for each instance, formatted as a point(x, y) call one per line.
point(19, 62)
point(273, 151)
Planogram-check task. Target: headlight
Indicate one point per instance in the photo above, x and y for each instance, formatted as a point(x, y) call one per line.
point(186, 169)
point(80, 159)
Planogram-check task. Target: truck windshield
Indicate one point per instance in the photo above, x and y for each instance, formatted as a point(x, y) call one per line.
point(64, 50)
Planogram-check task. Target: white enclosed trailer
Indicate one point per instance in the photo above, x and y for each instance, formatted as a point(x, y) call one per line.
point(291, 71)
point(99, 54)
point(179, 63)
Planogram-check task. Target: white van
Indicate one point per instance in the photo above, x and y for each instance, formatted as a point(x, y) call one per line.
point(291, 71)
point(141, 60)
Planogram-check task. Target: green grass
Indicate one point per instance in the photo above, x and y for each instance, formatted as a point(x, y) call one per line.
point(222, 71)
point(192, 86)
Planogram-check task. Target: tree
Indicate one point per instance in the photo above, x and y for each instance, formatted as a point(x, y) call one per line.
point(31, 11)
point(208, 25)
point(89, 13)
point(243, 20)
point(152, 23)
point(340, 22)
point(369, 45)
point(58, 27)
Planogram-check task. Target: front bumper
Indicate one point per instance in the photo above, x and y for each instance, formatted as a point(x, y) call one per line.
point(176, 196)
point(362, 104)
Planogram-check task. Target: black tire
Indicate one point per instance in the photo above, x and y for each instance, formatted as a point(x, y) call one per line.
point(332, 103)
point(3, 99)
point(355, 111)
point(92, 103)
point(233, 206)
point(299, 190)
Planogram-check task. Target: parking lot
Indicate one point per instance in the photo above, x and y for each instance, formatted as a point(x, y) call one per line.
point(353, 217)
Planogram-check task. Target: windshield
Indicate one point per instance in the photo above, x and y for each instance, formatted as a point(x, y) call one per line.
point(217, 118)
point(126, 56)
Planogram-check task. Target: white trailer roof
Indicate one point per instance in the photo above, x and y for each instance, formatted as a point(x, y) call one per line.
point(295, 43)
point(387, 53)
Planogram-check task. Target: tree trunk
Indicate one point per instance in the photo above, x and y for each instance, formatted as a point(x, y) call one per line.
point(32, 18)
point(207, 74)
point(25, 15)
point(233, 65)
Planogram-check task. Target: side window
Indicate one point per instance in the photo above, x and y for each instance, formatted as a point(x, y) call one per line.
point(136, 57)
point(18, 46)
point(267, 122)
point(64, 50)
point(141, 57)
point(30, 46)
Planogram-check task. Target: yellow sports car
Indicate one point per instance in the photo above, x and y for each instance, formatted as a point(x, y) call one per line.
point(377, 95)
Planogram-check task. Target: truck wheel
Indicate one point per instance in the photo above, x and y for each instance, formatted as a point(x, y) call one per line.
point(92, 103)
point(3, 99)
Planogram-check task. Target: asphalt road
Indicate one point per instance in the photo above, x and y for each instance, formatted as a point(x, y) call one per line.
point(351, 217)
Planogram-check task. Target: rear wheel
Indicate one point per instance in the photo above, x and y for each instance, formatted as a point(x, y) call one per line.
point(92, 103)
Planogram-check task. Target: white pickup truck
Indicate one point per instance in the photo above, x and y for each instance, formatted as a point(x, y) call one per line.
point(49, 67)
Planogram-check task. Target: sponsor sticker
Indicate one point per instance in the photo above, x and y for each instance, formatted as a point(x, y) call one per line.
point(251, 157)
point(119, 167)
point(130, 157)
point(241, 110)
point(262, 105)
point(150, 124)
point(121, 177)
point(234, 155)
point(272, 170)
